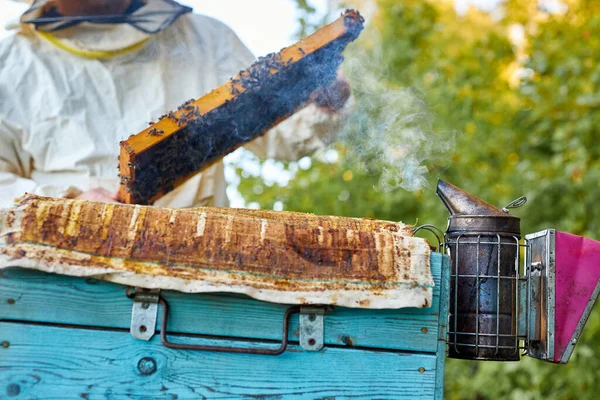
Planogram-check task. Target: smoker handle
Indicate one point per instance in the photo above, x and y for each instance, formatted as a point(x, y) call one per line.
point(240, 350)
point(437, 232)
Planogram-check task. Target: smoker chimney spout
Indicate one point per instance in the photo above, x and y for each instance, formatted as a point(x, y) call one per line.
point(469, 213)
point(459, 202)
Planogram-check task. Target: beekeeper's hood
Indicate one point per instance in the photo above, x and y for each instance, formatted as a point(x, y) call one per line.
point(98, 33)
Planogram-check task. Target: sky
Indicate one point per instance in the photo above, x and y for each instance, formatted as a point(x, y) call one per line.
point(264, 26)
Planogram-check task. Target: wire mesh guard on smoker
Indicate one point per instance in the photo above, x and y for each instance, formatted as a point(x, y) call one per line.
point(495, 309)
point(485, 248)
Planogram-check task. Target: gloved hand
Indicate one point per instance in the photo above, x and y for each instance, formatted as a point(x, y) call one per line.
point(98, 194)
point(334, 96)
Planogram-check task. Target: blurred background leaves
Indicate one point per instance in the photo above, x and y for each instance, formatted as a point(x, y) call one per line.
point(516, 89)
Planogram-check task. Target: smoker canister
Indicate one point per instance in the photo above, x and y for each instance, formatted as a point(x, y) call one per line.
point(484, 247)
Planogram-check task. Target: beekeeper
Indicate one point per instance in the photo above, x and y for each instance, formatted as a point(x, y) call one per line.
point(79, 76)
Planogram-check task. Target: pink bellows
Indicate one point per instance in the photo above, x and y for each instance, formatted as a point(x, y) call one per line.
point(577, 288)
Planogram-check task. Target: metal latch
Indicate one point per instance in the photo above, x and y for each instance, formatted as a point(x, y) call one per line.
point(311, 328)
point(144, 312)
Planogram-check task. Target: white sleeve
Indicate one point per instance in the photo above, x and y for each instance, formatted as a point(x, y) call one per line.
point(16, 166)
point(308, 130)
point(303, 133)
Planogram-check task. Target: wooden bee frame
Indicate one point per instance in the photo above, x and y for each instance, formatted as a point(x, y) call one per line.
point(140, 150)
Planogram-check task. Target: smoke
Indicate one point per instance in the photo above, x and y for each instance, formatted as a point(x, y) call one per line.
point(390, 132)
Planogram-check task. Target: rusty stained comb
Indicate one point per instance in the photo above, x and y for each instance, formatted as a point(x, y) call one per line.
point(276, 256)
point(200, 132)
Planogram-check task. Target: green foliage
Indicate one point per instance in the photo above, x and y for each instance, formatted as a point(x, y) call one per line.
point(527, 122)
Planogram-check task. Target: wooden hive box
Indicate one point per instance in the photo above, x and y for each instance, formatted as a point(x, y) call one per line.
point(69, 337)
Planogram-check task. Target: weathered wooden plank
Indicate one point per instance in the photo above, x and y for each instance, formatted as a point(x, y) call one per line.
point(66, 363)
point(27, 295)
point(33, 296)
point(444, 287)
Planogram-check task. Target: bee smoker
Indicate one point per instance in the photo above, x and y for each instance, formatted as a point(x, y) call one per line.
point(502, 306)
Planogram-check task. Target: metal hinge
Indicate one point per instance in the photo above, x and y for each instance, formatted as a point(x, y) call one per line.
point(311, 328)
point(144, 312)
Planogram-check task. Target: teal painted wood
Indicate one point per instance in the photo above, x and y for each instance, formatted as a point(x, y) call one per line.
point(442, 328)
point(45, 362)
point(35, 296)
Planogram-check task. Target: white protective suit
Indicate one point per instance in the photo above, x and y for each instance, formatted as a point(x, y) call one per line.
point(62, 115)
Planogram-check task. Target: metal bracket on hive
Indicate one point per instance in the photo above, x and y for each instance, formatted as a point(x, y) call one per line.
point(144, 312)
point(312, 327)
